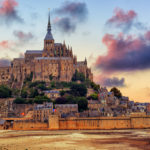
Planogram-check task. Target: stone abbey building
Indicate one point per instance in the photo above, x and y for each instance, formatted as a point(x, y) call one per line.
point(55, 59)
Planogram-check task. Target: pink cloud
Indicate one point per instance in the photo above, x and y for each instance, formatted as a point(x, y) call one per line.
point(121, 17)
point(5, 44)
point(125, 20)
point(125, 53)
point(8, 7)
point(23, 36)
point(8, 12)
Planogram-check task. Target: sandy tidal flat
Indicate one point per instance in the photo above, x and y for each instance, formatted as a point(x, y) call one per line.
point(75, 140)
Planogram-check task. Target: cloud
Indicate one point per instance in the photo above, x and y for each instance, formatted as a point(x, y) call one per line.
point(21, 36)
point(4, 62)
point(66, 25)
point(8, 12)
point(77, 10)
point(5, 44)
point(125, 20)
point(125, 53)
point(113, 82)
point(71, 14)
point(106, 80)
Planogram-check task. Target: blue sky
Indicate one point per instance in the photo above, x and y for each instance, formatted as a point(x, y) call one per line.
point(35, 13)
point(86, 40)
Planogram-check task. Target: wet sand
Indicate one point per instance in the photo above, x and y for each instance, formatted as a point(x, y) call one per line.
point(75, 140)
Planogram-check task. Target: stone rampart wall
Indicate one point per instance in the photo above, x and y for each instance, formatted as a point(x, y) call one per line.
point(101, 123)
point(29, 125)
point(95, 123)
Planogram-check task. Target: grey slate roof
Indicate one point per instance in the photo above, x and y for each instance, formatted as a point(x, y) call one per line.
point(53, 58)
point(51, 92)
point(49, 36)
point(57, 44)
point(33, 51)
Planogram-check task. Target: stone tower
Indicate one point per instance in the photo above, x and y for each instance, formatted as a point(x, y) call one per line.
point(48, 41)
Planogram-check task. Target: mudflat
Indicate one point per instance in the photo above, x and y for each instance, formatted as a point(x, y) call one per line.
point(75, 140)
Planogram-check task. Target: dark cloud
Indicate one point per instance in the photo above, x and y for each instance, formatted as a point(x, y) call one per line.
point(4, 62)
point(25, 37)
point(71, 14)
point(125, 53)
point(8, 12)
point(113, 82)
point(125, 20)
point(76, 10)
point(66, 25)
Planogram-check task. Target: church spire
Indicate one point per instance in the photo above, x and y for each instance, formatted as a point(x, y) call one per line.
point(49, 35)
point(49, 23)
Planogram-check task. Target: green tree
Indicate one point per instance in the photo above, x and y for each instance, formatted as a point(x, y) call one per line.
point(24, 93)
point(78, 76)
point(5, 91)
point(41, 99)
point(78, 90)
point(116, 92)
point(61, 100)
point(93, 96)
point(33, 93)
point(95, 87)
point(62, 93)
point(20, 101)
point(82, 103)
point(41, 86)
point(53, 85)
point(51, 77)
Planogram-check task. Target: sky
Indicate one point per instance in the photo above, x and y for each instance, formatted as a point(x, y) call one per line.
point(114, 36)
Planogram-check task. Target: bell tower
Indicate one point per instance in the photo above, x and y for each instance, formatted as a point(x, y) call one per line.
point(48, 41)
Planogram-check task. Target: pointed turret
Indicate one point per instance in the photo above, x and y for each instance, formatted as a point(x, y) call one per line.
point(85, 62)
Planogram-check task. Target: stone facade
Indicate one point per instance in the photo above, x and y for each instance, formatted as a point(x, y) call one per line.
point(56, 59)
point(66, 109)
point(42, 112)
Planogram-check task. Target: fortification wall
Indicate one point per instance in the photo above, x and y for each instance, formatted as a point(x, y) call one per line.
point(140, 122)
point(101, 123)
point(29, 125)
point(95, 123)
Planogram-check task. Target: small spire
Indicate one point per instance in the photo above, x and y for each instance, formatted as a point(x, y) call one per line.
point(49, 24)
point(64, 42)
point(85, 61)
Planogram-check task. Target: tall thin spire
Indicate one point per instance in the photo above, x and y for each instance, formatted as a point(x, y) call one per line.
point(49, 24)
point(49, 35)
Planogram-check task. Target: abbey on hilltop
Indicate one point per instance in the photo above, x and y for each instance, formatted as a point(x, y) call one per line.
point(55, 60)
